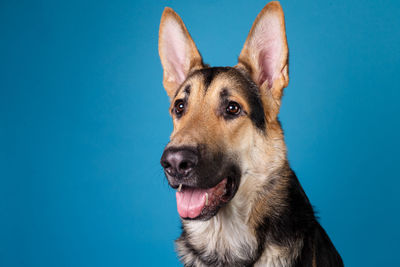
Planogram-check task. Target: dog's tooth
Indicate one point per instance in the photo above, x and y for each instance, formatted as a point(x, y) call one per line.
point(180, 188)
point(206, 199)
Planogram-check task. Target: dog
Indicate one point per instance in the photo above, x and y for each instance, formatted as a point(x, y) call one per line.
point(239, 201)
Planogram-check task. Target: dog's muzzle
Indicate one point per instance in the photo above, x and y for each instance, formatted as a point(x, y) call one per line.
point(204, 184)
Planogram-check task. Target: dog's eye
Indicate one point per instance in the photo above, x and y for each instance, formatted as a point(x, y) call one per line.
point(179, 106)
point(233, 108)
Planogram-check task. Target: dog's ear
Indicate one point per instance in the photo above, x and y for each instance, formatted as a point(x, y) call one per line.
point(265, 52)
point(178, 53)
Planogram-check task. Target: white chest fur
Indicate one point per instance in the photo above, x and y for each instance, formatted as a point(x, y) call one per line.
point(225, 234)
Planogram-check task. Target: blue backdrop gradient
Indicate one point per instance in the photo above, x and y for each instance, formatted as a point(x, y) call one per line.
point(84, 119)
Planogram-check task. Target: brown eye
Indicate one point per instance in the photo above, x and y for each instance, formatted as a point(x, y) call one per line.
point(233, 108)
point(179, 106)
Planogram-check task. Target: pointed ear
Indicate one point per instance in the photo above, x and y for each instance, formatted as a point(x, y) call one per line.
point(178, 53)
point(265, 52)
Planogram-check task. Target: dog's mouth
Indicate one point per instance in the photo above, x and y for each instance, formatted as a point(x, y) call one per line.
point(202, 204)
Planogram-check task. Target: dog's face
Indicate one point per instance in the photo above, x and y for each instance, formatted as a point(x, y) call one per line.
point(220, 113)
point(213, 111)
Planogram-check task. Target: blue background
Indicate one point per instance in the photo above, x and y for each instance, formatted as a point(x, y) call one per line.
point(83, 122)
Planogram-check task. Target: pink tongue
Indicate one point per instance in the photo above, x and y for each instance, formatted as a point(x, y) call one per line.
point(190, 202)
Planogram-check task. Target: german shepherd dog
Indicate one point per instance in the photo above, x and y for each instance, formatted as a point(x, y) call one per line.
point(239, 201)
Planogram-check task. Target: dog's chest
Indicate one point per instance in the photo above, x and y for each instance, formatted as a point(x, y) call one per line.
point(216, 240)
point(270, 258)
point(225, 246)
point(216, 247)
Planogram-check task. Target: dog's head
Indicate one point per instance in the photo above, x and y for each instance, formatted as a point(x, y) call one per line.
point(225, 118)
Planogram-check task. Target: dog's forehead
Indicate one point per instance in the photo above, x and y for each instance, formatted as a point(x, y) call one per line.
point(216, 79)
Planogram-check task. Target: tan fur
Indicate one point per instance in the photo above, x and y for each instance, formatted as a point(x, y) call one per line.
point(275, 256)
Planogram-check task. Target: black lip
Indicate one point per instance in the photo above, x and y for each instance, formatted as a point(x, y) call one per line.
point(207, 213)
point(190, 182)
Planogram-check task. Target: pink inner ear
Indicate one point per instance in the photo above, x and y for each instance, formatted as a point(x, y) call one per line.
point(174, 51)
point(268, 45)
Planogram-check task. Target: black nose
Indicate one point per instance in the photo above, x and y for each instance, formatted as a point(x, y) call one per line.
point(179, 162)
